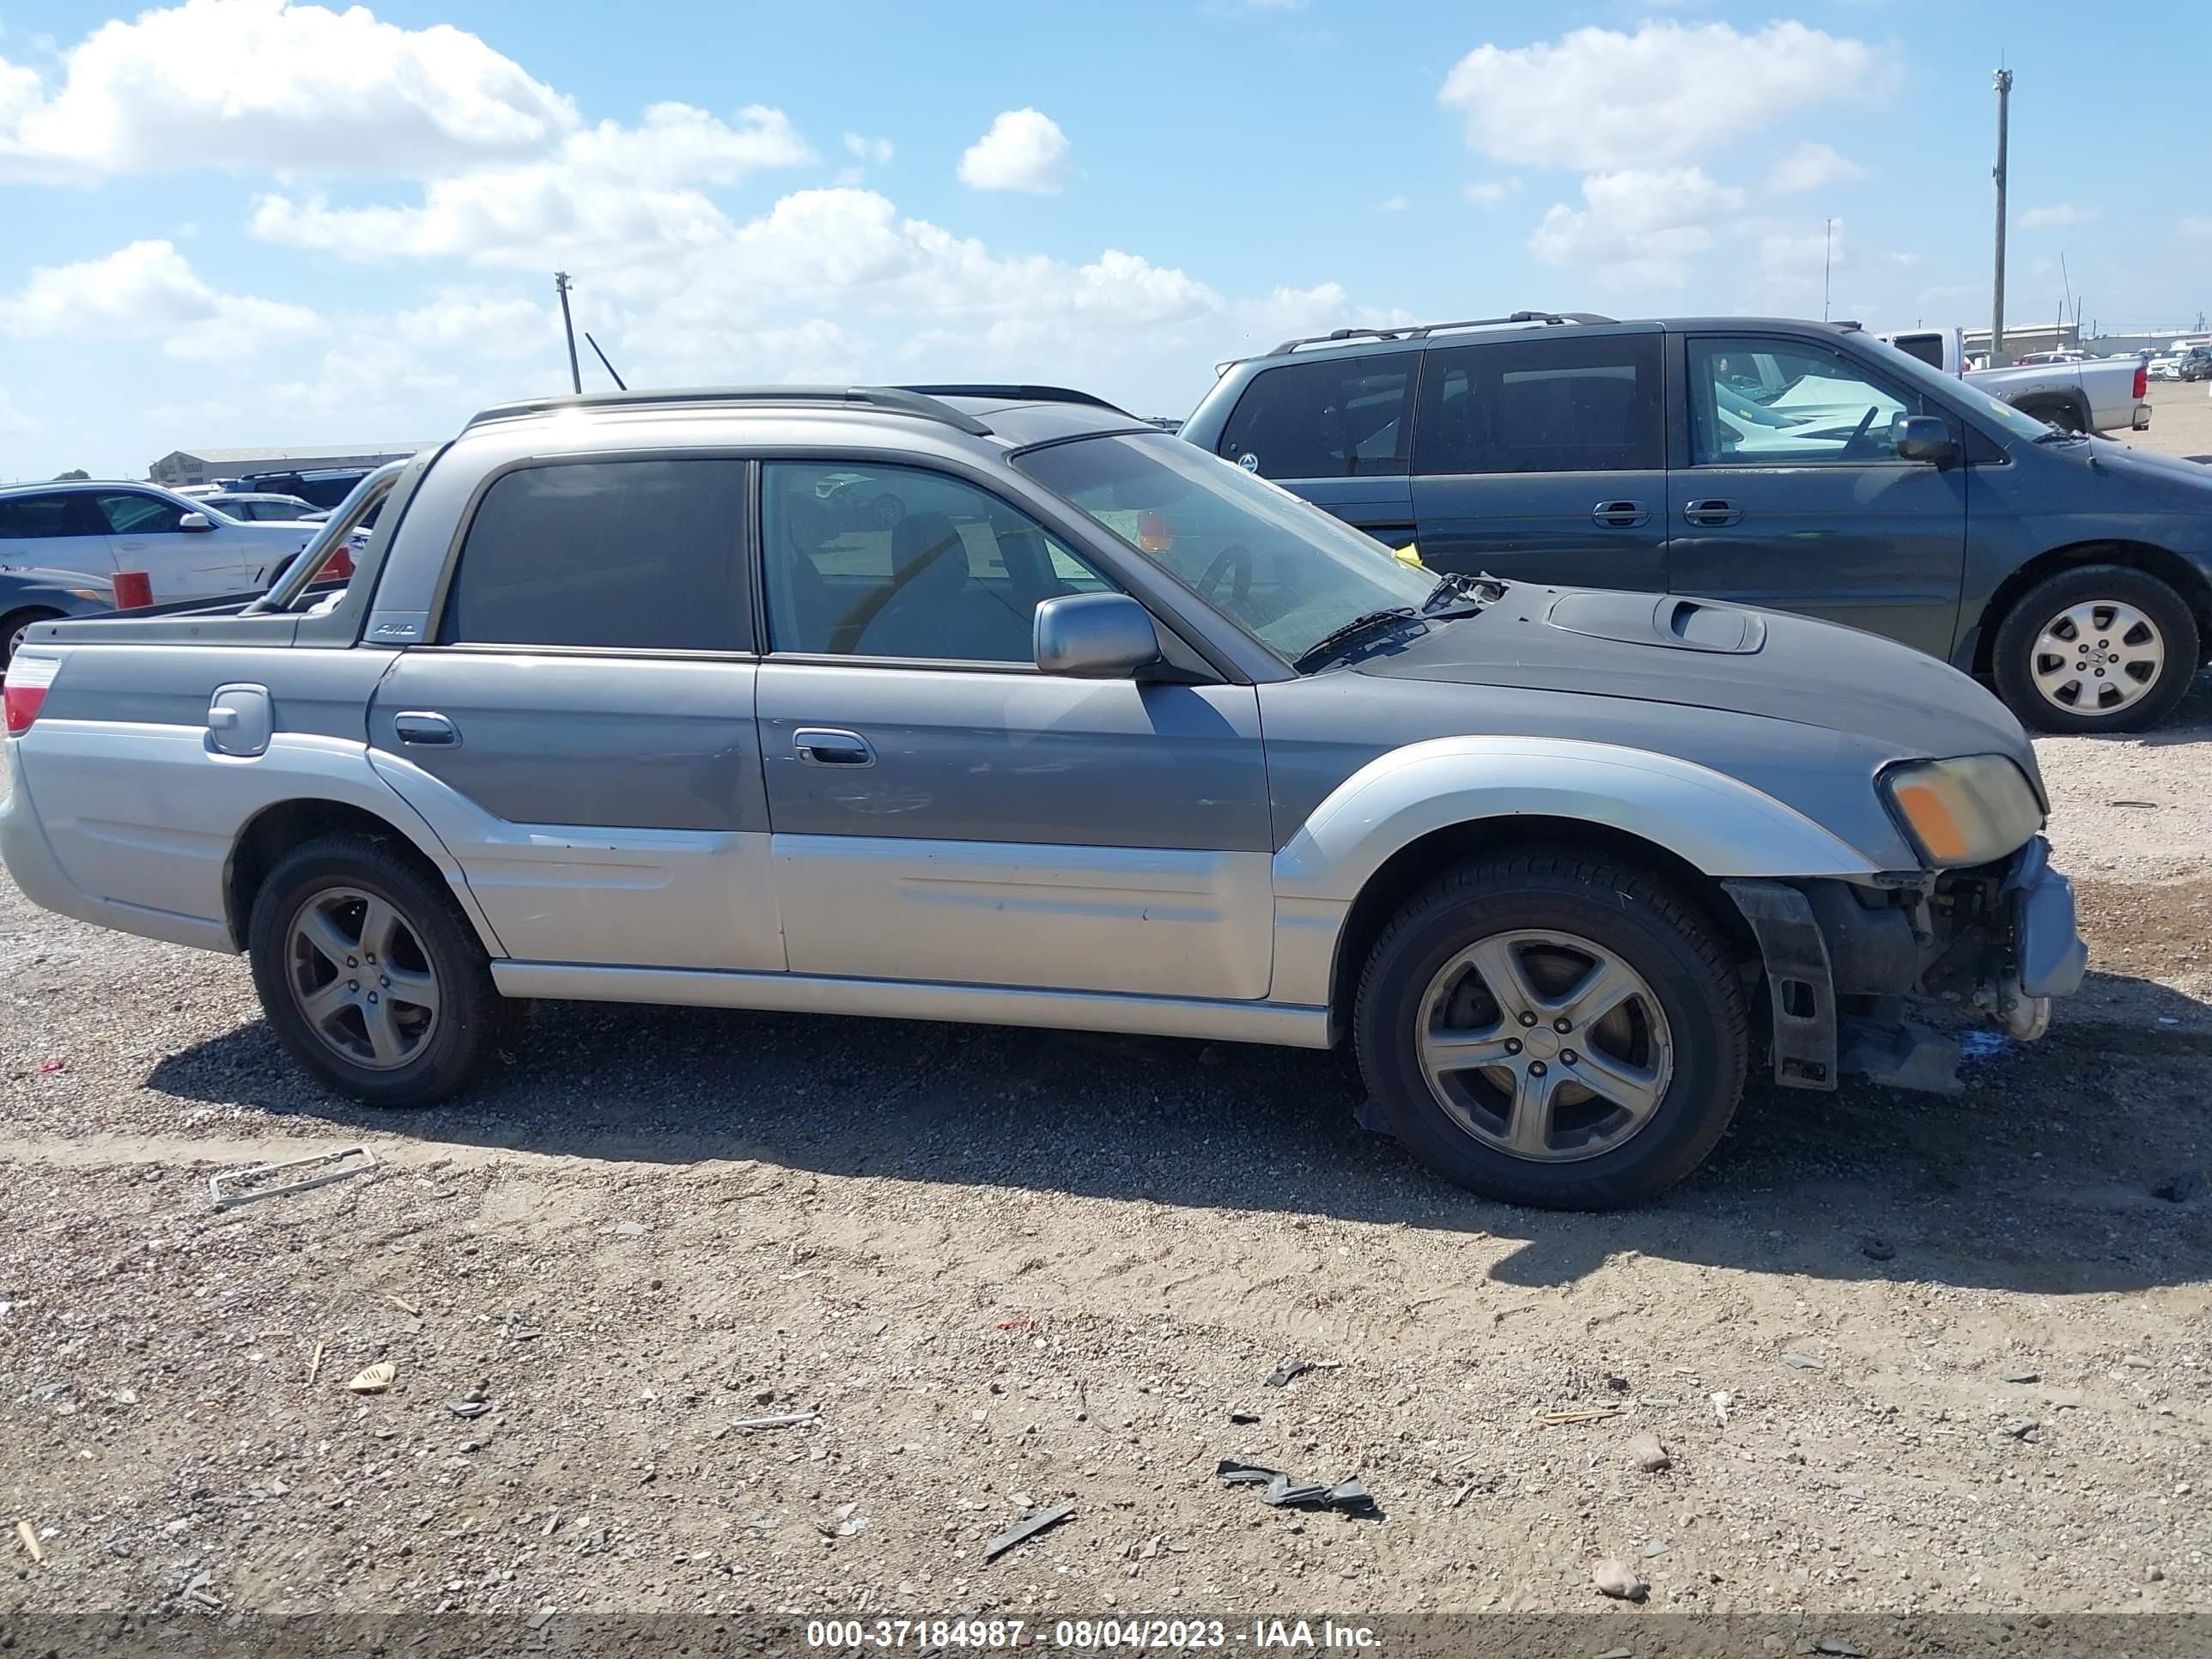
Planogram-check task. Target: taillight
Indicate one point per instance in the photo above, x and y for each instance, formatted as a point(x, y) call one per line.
point(2142, 381)
point(340, 565)
point(27, 682)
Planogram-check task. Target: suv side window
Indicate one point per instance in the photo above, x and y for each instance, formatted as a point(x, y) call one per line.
point(629, 555)
point(129, 514)
point(1757, 402)
point(868, 561)
point(1332, 418)
point(1557, 403)
point(62, 512)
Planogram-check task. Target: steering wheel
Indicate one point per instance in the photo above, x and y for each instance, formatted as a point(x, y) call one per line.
point(1233, 562)
point(1851, 444)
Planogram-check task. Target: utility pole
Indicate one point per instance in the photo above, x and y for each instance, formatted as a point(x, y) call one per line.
point(1827, 260)
point(561, 285)
point(1996, 297)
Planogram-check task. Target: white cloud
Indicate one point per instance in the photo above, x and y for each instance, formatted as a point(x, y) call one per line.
point(487, 323)
point(2198, 228)
point(614, 192)
point(1639, 228)
point(13, 419)
point(2055, 218)
point(1024, 150)
point(262, 84)
point(150, 291)
point(1808, 167)
point(1489, 192)
point(877, 150)
point(1392, 204)
point(1599, 98)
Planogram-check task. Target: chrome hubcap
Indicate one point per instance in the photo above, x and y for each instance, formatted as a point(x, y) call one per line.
point(1544, 1045)
point(360, 975)
point(2097, 657)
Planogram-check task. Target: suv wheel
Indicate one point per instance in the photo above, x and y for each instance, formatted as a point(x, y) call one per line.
point(1552, 1031)
point(15, 626)
point(2103, 648)
point(371, 976)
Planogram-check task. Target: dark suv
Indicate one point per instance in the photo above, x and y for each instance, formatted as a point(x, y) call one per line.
point(1802, 466)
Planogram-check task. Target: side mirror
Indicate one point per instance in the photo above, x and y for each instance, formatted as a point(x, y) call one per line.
point(1923, 437)
point(196, 521)
point(1095, 637)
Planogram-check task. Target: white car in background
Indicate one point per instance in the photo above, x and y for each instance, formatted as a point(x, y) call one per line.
point(2166, 365)
point(262, 507)
point(188, 549)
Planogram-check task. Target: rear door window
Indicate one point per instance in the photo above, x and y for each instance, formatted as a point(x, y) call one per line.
point(1557, 403)
point(1339, 417)
point(63, 513)
point(643, 555)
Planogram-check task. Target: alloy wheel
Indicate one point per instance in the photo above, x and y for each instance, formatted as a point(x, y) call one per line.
point(360, 977)
point(2097, 657)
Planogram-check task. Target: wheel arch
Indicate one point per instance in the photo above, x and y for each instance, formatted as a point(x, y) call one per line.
point(277, 828)
point(2168, 567)
point(2045, 403)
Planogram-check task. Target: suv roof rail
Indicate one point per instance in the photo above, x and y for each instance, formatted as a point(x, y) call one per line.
point(1035, 394)
point(898, 400)
point(1422, 330)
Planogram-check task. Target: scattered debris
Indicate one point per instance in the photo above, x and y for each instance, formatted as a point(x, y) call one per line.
point(29, 1537)
point(2023, 1376)
point(227, 1192)
point(1874, 1248)
point(1577, 1414)
point(1615, 1580)
point(629, 1229)
point(468, 1407)
point(1280, 1491)
point(1648, 1454)
point(1020, 1324)
point(1244, 1417)
point(1026, 1528)
point(2180, 1189)
point(1285, 1373)
point(374, 1379)
point(49, 1069)
point(1460, 1497)
point(403, 1304)
point(1804, 1362)
point(1836, 1645)
point(1616, 1653)
point(1722, 1400)
point(785, 1420)
point(540, 1619)
point(315, 1366)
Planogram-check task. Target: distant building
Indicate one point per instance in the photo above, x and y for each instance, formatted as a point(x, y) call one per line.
point(2024, 338)
point(199, 466)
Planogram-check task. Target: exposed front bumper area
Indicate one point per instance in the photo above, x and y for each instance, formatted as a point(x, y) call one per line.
point(1845, 964)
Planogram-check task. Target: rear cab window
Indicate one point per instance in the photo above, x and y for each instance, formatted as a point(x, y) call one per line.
point(1341, 418)
point(616, 555)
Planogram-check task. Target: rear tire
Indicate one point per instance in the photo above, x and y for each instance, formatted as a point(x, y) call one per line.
point(372, 978)
point(1630, 1100)
point(2047, 651)
point(13, 625)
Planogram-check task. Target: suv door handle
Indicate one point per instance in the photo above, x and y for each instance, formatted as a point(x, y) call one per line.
point(818, 745)
point(1712, 511)
point(426, 729)
point(1621, 516)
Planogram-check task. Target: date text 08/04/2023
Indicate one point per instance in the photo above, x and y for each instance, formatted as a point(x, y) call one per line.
point(1090, 1634)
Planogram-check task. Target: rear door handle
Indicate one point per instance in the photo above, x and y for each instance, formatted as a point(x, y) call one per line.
point(426, 729)
point(1712, 511)
point(1621, 516)
point(819, 745)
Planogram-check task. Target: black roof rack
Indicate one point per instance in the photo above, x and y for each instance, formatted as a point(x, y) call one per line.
point(1424, 330)
point(1031, 394)
point(891, 399)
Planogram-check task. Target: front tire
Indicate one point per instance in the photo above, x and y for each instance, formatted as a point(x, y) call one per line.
point(1553, 1032)
point(2105, 647)
point(371, 976)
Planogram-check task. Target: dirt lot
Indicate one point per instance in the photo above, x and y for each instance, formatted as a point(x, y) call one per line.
point(1967, 1342)
point(2181, 418)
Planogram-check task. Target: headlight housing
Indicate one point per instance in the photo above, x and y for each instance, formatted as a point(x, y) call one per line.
point(1969, 810)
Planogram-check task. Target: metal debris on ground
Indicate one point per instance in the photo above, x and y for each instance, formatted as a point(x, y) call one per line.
point(315, 1366)
point(1460, 1497)
point(1279, 1491)
point(1576, 1414)
point(2023, 1376)
point(28, 1535)
point(1804, 1362)
point(1026, 1528)
point(228, 1191)
point(374, 1379)
point(1244, 1417)
point(1285, 1374)
point(468, 1407)
point(785, 1420)
point(403, 1305)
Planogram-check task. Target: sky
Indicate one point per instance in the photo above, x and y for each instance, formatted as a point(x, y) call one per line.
point(254, 223)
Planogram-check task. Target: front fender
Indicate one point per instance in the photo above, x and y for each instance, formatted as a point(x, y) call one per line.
point(1717, 823)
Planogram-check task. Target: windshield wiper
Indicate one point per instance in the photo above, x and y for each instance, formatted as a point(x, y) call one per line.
point(1452, 587)
point(1337, 638)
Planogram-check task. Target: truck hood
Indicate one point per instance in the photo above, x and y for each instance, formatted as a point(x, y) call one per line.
point(1696, 653)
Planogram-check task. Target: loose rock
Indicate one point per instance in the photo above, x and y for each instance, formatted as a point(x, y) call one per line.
point(1614, 1579)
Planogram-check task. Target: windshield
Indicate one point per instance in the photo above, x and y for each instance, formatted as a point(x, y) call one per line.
point(1278, 567)
point(1965, 393)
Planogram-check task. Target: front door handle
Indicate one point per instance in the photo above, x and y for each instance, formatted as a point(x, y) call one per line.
point(1621, 516)
point(1712, 511)
point(818, 745)
point(425, 729)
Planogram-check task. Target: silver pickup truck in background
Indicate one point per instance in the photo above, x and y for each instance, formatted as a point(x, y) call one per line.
point(2095, 394)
